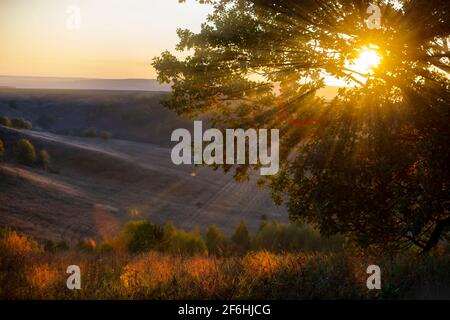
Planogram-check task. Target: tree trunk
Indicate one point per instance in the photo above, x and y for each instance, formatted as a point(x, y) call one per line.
point(436, 234)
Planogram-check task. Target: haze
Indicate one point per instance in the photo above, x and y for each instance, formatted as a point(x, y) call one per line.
point(117, 39)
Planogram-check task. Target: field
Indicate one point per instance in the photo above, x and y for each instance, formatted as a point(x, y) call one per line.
point(94, 185)
point(254, 275)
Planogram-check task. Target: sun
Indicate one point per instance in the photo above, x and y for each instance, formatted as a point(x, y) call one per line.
point(366, 62)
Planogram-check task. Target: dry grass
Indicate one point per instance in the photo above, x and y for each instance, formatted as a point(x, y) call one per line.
point(28, 273)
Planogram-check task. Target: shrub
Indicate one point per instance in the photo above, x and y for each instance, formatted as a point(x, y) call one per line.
point(105, 135)
point(25, 152)
point(17, 244)
point(2, 150)
point(5, 121)
point(140, 236)
point(293, 237)
point(90, 133)
point(43, 159)
point(241, 237)
point(21, 123)
point(215, 241)
point(185, 243)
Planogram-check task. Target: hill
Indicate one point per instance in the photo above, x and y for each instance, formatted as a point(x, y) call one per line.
point(82, 83)
point(97, 185)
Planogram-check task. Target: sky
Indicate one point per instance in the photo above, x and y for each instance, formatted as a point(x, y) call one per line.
point(114, 39)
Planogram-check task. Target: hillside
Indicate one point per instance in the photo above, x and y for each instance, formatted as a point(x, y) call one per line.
point(96, 185)
point(128, 115)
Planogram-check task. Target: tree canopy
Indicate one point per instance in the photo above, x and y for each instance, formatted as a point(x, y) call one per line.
point(372, 163)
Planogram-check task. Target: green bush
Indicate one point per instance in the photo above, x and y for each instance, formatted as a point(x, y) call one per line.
point(187, 243)
point(5, 121)
point(2, 150)
point(241, 237)
point(293, 237)
point(140, 236)
point(215, 241)
point(183, 242)
point(25, 152)
point(90, 133)
point(105, 135)
point(43, 159)
point(21, 123)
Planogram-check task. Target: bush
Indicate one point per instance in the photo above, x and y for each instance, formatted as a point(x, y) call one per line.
point(293, 237)
point(5, 121)
point(105, 135)
point(187, 243)
point(21, 123)
point(43, 159)
point(2, 150)
point(183, 242)
point(140, 236)
point(90, 133)
point(25, 152)
point(215, 241)
point(241, 237)
point(17, 244)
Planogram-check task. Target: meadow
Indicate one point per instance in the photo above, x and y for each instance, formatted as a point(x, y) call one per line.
point(117, 270)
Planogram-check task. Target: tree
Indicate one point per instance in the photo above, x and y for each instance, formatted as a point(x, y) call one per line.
point(140, 236)
point(371, 164)
point(21, 123)
point(43, 159)
point(25, 152)
point(215, 241)
point(241, 237)
point(5, 121)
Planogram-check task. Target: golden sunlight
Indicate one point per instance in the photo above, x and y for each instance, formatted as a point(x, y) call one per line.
point(367, 60)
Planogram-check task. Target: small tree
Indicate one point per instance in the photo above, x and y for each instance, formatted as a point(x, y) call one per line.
point(90, 133)
point(21, 123)
point(139, 236)
point(241, 237)
point(43, 159)
point(105, 135)
point(25, 152)
point(215, 241)
point(5, 121)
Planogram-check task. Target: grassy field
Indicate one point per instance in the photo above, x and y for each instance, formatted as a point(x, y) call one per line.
point(29, 272)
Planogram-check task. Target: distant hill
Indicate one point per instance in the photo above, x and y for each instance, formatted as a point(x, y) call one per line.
point(128, 115)
point(82, 83)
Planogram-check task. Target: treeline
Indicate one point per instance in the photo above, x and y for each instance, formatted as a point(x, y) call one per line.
point(24, 151)
point(143, 236)
point(18, 123)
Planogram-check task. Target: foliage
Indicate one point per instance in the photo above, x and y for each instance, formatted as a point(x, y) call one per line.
point(277, 237)
point(26, 273)
point(5, 121)
point(25, 152)
point(216, 242)
point(90, 133)
point(184, 243)
point(372, 164)
point(139, 236)
point(105, 135)
point(43, 159)
point(21, 123)
point(241, 237)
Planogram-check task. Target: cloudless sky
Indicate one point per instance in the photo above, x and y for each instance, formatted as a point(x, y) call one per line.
point(116, 39)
